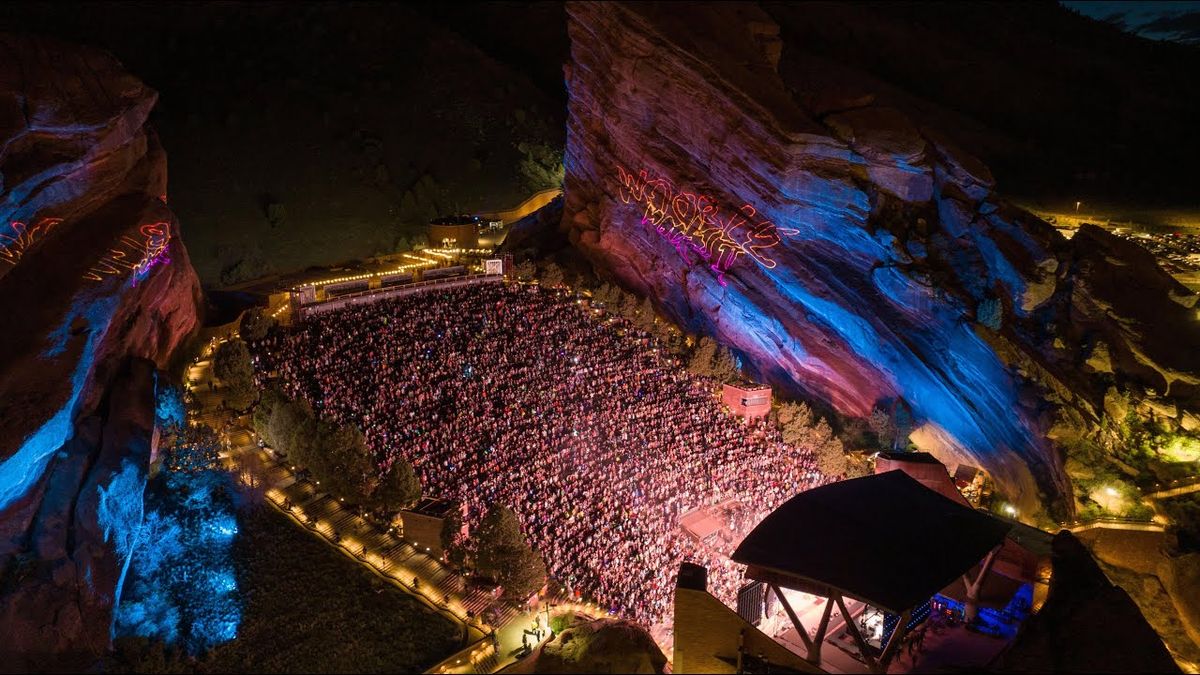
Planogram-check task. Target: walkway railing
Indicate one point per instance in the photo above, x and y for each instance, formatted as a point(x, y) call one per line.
point(1175, 488)
point(377, 294)
point(534, 202)
point(1113, 523)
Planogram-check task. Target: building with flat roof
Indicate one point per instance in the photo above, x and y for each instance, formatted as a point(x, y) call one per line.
point(747, 399)
point(424, 522)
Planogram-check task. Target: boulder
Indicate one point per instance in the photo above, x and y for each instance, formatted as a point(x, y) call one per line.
point(1087, 624)
point(601, 646)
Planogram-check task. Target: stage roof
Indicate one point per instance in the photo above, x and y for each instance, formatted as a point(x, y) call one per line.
point(885, 539)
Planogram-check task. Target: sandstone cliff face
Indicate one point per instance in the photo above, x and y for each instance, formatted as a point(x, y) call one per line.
point(96, 289)
point(850, 253)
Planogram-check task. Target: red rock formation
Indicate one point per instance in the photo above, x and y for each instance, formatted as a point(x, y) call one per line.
point(851, 254)
point(1087, 625)
point(95, 288)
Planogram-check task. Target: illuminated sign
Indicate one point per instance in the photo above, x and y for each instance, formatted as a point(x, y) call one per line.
point(494, 266)
point(693, 222)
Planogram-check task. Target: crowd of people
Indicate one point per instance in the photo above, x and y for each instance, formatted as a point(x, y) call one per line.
point(598, 439)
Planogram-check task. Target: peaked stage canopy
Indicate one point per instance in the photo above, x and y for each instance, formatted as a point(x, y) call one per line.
point(884, 539)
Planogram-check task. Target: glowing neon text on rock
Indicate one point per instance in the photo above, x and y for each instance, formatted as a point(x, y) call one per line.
point(692, 221)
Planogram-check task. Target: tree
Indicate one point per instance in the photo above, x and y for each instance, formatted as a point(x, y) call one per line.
point(627, 304)
point(703, 357)
point(884, 428)
point(524, 575)
point(797, 426)
point(399, 487)
point(169, 411)
point(343, 464)
point(240, 395)
point(271, 401)
point(255, 324)
point(990, 313)
point(148, 608)
point(646, 315)
point(725, 365)
point(293, 429)
point(552, 274)
point(197, 448)
point(831, 455)
point(525, 270)
point(232, 365)
point(795, 419)
point(456, 546)
point(605, 294)
point(495, 538)
point(120, 511)
point(503, 554)
point(251, 472)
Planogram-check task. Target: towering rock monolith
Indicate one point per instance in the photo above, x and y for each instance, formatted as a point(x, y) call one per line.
point(851, 253)
point(97, 293)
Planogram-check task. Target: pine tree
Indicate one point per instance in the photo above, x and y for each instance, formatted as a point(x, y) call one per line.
point(884, 429)
point(271, 402)
point(502, 553)
point(232, 362)
point(399, 488)
point(703, 357)
point(646, 314)
point(255, 325)
point(605, 294)
point(552, 275)
point(456, 546)
point(343, 463)
point(725, 366)
point(496, 537)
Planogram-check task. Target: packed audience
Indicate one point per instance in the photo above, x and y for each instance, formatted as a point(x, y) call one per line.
point(597, 439)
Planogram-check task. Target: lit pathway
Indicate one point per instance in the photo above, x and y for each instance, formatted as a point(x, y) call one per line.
point(1177, 488)
point(386, 555)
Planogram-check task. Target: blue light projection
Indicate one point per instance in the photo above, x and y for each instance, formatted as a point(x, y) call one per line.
point(1000, 622)
point(185, 590)
point(120, 511)
point(27, 464)
point(919, 340)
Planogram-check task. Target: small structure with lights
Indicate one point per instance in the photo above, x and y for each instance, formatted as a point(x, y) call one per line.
point(424, 522)
point(455, 231)
point(747, 399)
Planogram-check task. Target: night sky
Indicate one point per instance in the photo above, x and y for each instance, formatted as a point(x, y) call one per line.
point(1177, 21)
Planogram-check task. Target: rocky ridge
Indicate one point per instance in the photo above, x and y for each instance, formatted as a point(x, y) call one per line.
point(99, 290)
point(850, 253)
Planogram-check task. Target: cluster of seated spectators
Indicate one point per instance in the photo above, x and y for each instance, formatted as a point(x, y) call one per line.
point(597, 439)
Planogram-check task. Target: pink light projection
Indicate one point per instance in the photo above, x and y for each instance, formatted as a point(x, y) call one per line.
point(131, 254)
point(13, 246)
point(693, 222)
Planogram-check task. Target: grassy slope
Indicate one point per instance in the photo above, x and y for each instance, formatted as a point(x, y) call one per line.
point(310, 609)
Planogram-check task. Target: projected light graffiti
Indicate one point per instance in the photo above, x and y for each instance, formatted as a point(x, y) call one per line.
point(693, 223)
point(134, 255)
point(23, 237)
